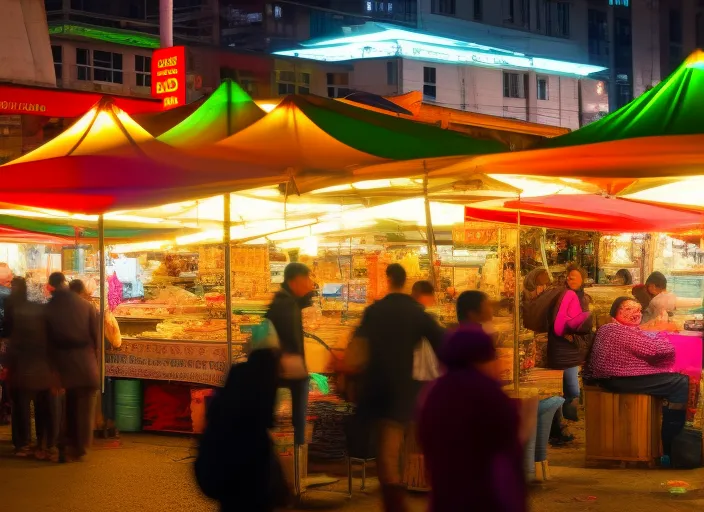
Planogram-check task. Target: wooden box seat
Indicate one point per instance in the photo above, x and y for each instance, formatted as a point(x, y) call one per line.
point(622, 427)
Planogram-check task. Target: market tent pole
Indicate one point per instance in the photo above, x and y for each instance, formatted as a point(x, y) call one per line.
point(430, 234)
point(517, 304)
point(101, 330)
point(228, 276)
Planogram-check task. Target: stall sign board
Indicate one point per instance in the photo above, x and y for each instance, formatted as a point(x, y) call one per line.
point(466, 234)
point(181, 361)
point(169, 76)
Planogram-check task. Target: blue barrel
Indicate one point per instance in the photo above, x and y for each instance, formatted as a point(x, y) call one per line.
point(128, 405)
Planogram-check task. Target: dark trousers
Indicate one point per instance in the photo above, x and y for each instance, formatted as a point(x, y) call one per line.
point(46, 418)
point(79, 420)
point(299, 407)
point(673, 387)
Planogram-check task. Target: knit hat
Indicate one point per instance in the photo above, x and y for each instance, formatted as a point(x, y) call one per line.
point(617, 305)
point(465, 346)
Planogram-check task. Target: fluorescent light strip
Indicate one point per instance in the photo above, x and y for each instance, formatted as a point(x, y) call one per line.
point(394, 42)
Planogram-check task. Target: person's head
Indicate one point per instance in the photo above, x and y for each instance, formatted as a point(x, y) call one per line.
point(424, 293)
point(78, 287)
point(297, 279)
point(470, 347)
point(474, 306)
point(536, 282)
point(575, 277)
point(18, 288)
point(5, 275)
point(623, 278)
point(396, 277)
point(627, 311)
point(57, 281)
point(656, 283)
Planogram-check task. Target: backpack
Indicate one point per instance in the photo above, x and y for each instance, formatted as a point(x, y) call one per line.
point(536, 312)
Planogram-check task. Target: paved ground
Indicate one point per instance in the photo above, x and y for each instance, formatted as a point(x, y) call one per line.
point(149, 473)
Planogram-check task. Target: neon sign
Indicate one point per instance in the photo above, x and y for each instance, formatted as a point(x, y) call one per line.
point(169, 76)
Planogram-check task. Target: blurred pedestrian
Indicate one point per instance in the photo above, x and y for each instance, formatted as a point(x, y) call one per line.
point(469, 431)
point(286, 315)
point(5, 281)
point(236, 464)
point(474, 308)
point(106, 416)
point(73, 332)
point(32, 378)
point(393, 327)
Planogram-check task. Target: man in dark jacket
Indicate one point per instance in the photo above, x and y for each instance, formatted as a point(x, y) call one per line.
point(74, 340)
point(285, 312)
point(393, 328)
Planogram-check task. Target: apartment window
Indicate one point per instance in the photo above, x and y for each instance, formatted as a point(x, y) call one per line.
point(446, 7)
point(392, 72)
point(143, 70)
point(542, 86)
point(514, 85)
point(563, 19)
point(338, 85)
point(304, 83)
point(57, 55)
point(288, 82)
point(84, 71)
point(675, 39)
point(597, 29)
point(478, 10)
point(517, 12)
point(430, 90)
point(557, 18)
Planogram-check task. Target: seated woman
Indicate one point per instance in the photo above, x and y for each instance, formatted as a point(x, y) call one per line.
point(625, 359)
point(469, 431)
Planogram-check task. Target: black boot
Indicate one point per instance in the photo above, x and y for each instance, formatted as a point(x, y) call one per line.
point(570, 410)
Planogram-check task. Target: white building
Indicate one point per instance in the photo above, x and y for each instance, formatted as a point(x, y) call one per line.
point(460, 74)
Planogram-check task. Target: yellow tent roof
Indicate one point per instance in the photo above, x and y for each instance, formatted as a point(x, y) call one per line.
point(102, 128)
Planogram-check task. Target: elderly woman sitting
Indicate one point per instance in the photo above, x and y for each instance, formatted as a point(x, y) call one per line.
point(625, 359)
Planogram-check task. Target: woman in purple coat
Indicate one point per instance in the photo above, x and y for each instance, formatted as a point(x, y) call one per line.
point(469, 431)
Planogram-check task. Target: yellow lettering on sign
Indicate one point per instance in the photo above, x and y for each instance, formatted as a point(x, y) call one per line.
point(167, 86)
point(22, 107)
point(171, 101)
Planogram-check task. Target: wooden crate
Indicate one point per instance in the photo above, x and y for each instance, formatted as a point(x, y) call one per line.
point(622, 427)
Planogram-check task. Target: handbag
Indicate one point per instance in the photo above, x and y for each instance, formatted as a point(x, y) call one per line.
point(291, 366)
point(425, 362)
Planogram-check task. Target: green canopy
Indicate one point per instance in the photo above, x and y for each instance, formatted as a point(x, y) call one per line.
point(228, 110)
point(674, 107)
point(72, 229)
point(388, 136)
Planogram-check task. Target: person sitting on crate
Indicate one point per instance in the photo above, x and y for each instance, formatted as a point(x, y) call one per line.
point(626, 359)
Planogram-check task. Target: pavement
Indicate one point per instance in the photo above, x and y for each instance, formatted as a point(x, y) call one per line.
point(153, 473)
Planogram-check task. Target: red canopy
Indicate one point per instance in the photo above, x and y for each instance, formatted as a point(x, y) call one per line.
point(587, 213)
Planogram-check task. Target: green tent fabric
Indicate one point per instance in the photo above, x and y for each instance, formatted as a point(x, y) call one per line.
point(387, 136)
point(71, 229)
point(674, 107)
point(228, 110)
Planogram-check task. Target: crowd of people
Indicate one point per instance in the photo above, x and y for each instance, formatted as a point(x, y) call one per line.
point(51, 363)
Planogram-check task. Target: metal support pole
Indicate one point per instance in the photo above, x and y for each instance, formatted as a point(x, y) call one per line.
point(166, 23)
point(228, 276)
point(430, 233)
point(517, 305)
point(101, 330)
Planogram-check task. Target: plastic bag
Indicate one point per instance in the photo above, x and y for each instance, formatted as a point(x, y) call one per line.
point(425, 362)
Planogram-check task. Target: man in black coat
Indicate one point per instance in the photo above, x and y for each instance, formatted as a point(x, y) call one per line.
point(285, 313)
point(74, 341)
point(393, 328)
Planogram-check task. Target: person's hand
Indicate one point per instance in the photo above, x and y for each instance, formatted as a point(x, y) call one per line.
point(569, 337)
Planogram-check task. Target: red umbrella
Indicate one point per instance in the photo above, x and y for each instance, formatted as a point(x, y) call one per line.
point(588, 213)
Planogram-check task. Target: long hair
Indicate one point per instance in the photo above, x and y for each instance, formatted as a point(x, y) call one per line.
point(18, 290)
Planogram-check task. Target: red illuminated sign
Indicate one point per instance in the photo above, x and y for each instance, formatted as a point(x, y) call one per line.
point(42, 101)
point(169, 76)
